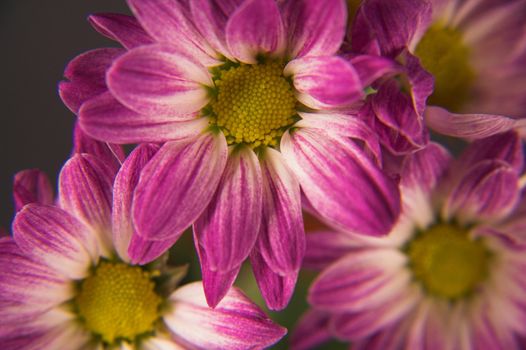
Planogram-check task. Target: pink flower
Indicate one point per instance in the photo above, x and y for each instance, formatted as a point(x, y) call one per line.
point(248, 98)
point(66, 281)
point(448, 276)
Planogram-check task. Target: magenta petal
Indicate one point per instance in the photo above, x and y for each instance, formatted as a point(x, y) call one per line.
point(85, 191)
point(169, 21)
point(316, 28)
point(158, 79)
point(325, 82)
point(55, 238)
point(142, 251)
point(216, 284)
point(276, 289)
point(177, 185)
point(341, 182)
point(255, 28)
point(228, 228)
point(86, 74)
point(324, 248)
point(282, 236)
point(311, 331)
point(469, 126)
point(420, 81)
point(371, 68)
point(110, 154)
point(31, 186)
point(235, 324)
point(361, 279)
point(104, 118)
point(122, 28)
point(488, 191)
point(123, 189)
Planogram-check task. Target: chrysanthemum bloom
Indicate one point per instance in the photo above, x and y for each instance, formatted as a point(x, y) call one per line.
point(475, 50)
point(66, 280)
point(451, 273)
point(247, 97)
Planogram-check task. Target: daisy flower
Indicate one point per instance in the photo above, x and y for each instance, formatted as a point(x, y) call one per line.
point(67, 281)
point(247, 99)
point(475, 50)
point(449, 275)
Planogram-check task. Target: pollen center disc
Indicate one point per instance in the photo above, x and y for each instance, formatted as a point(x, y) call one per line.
point(254, 104)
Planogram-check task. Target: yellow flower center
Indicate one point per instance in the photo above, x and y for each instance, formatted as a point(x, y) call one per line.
point(447, 262)
point(118, 302)
point(444, 54)
point(254, 104)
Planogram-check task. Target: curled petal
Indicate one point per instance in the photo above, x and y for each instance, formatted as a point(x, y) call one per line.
point(371, 68)
point(177, 185)
point(158, 79)
point(341, 182)
point(228, 228)
point(325, 82)
point(316, 28)
point(236, 322)
point(255, 28)
point(122, 28)
point(31, 186)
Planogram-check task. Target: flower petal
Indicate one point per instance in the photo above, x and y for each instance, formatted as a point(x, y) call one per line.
point(487, 192)
point(255, 28)
point(55, 238)
point(158, 79)
point(31, 186)
point(169, 21)
point(177, 185)
point(282, 236)
point(312, 331)
point(325, 82)
point(104, 118)
point(371, 68)
point(324, 248)
point(142, 251)
point(123, 189)
point(236, 323)
point(228, 228)
point(344, 186)
point(85, 191)
point(469, 126)
point(122, 28)
point(316, 28)
point(276, 289)
point(87, 76)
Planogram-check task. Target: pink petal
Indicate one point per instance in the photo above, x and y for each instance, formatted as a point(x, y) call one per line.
point(55, 238)
point(177, 185)
point(420, 81)
point(324, 248)
point(282, 236)
point(325, 82)
point(370, 68)
point(85, 191)
point(122, 28)
point(236, 323)
point(276, 289)
point(344, 186)
point(316, 28)
point(110, 154)
point(228, 228)
point(104, 118)
point(86, 74)
point(31, 186)
point(123, 189)
point(470, 126)
point(489, 191)
point(159, 79)
point(169, 21)
point(312, 331)
point(255, 28)
point(142, 251)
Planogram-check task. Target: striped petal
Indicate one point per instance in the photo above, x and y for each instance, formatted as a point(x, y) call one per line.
point(31, 186)
point(122, 28)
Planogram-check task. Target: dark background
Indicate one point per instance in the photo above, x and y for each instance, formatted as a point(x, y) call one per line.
point(38, 39)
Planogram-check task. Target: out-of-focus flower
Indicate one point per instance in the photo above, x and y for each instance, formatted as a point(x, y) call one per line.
point(449, 275)
point(475, 50)
point(248, 98)
point(67, 281)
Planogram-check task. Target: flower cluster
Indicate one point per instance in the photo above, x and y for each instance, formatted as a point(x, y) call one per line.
point(246, 114)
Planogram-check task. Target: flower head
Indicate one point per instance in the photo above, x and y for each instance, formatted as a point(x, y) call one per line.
point(68, 282)
point(248, 98)
point(452, 266)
